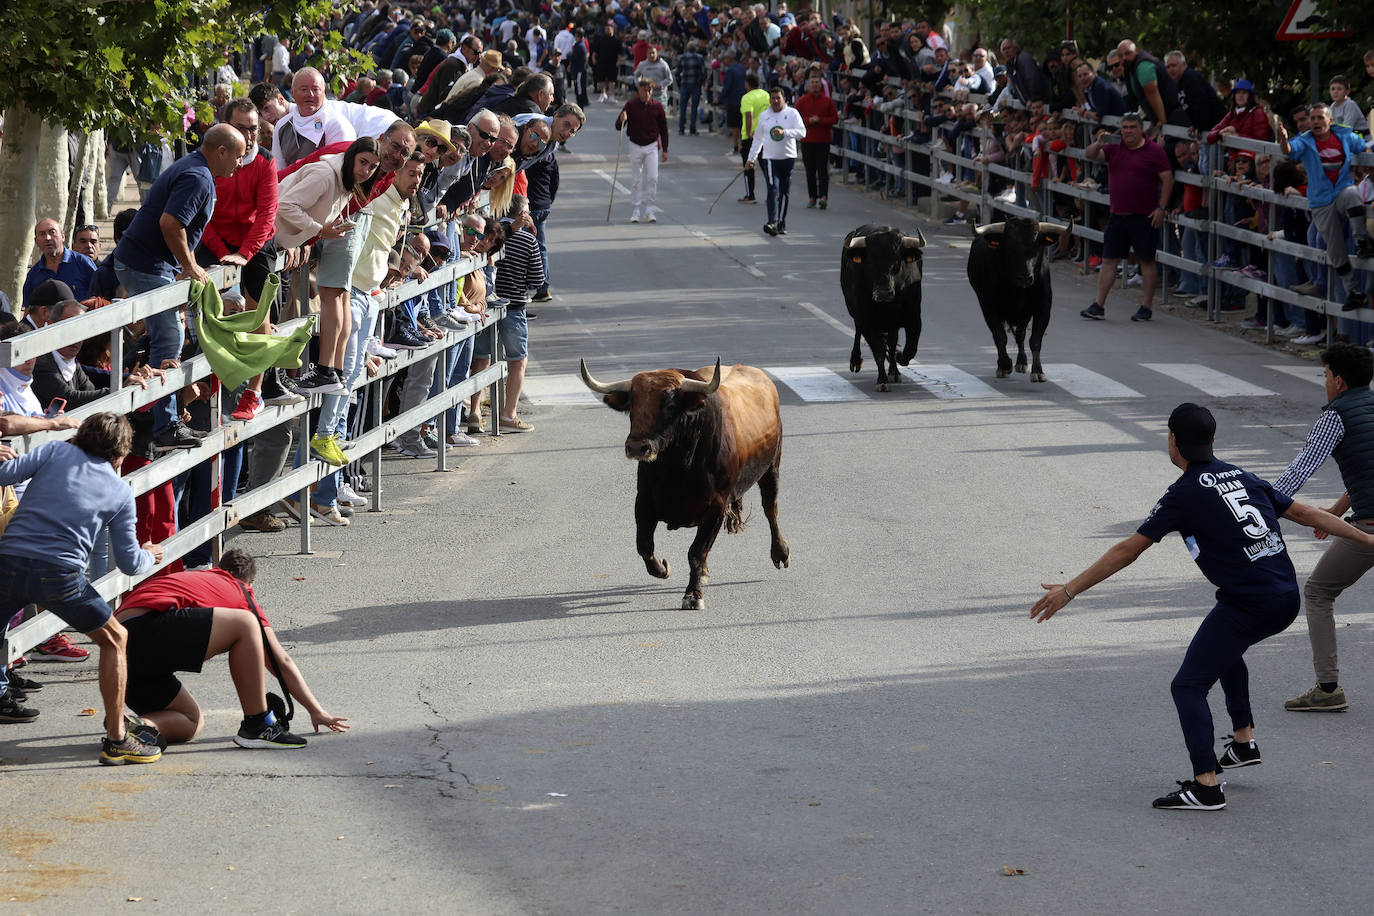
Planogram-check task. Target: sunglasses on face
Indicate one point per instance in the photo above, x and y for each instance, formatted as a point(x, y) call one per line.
point(490, 138)
point(430, 142)
point(508, 144)
point(474, 233)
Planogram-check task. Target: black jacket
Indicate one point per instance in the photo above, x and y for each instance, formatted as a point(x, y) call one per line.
point(48, 383)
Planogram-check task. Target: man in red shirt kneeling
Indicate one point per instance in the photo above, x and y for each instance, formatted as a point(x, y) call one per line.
point(178, 622)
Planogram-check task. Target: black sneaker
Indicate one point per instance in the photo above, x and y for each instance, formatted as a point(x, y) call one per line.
point(12, 708)
point(782, 227)
point(1094, 311)
point(770, 228)
point(403, 338)
point(319, 380)
point(253, 735)
point(1364, 248)
point(276, 391)
point(176, 436)
point(131, 750)
point(1236, 754)
point(425, 321)
point(23, 684)
point(1355, 300)
point(1193, 796)
point(1142, 314)
point(146, 732)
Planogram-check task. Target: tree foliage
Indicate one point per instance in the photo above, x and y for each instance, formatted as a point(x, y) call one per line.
point(122, 65)
point(1222, 39)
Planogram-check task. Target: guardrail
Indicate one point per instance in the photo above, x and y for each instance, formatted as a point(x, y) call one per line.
point(295, 482)
point(898, 164)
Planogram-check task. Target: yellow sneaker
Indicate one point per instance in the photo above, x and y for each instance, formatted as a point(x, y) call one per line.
point(326, 448)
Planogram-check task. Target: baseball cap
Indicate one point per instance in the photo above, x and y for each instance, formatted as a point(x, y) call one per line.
point(1243, 85)
point(1194, 428)
point(47, 294)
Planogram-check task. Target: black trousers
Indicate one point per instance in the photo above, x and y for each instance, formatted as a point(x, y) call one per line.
point(748, 173)
point(816, 158)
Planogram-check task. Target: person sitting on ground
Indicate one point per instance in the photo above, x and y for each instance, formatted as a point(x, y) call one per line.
point(180, 621)
point(74, 492)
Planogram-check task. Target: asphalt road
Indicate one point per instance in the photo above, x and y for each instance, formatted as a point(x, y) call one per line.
point(878, 729)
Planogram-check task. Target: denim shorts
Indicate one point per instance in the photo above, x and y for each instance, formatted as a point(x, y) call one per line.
point(65, 592)
point(339, 256)
point(514, 331)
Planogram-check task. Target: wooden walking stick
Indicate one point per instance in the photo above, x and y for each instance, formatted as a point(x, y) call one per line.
point(723, 190)
point(616, 175)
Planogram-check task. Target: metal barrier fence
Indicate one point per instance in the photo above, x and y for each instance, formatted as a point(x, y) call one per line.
point(111, 319)
point(903, 166)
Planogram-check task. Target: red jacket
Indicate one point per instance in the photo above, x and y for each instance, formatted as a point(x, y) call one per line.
point(1253, 123)
point(819, 106)
point(245, 209)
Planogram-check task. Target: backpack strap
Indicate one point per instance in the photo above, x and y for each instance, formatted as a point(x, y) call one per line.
point(271, 657)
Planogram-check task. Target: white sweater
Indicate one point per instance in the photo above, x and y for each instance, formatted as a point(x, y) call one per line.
point(792, 130)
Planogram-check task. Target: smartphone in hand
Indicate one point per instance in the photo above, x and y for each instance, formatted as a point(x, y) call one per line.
point(55, 408)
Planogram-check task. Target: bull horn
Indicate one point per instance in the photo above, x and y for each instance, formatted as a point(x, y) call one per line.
point(601, 387)
point(1054, 229)
point(692, 386)
point(858, 241)
point(990, 229)
point(918, 242)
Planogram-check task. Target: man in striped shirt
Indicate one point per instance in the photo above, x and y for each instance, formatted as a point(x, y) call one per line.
point(691, 72)
point(1344, 431)
point(519, 273)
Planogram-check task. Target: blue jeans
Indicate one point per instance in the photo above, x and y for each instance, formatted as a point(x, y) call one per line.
point(1194, 249)
point(459, 365)
point(65, 592)
point(165, 336)
point(334, 407)
point(690, 98)
point(539, 217)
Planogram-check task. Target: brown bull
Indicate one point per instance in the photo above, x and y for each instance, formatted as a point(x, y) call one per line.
point(702, 439)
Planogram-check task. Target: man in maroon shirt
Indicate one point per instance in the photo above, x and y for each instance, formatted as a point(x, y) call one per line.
point(646, 126)
point(1140, 181)
point(819, 114)
point(178, 622)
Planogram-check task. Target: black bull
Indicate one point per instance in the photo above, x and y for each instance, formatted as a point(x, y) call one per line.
point(1008, 267)
point(701, 442)
point(880, 275)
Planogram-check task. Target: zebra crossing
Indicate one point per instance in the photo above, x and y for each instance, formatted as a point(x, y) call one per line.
point(947, 382)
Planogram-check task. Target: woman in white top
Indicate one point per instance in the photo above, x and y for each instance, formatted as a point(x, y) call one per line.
point(311, 204)
point(775, 137)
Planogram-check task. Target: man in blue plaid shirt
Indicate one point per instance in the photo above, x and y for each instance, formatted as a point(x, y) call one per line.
point(691, 71)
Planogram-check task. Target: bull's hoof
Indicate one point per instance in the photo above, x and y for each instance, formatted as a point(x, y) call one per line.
point(1003, 373)
point(657, 568)
point(690, 603)
point(882, 386)
point(894, 376)
point(1038, 377)
point(1020, 367)
point(905, 359)
point(856, 365)
point(781, 555)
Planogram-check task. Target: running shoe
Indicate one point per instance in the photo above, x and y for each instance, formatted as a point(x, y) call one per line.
point(131, 750)
point(60, 648)
point(1236, 754)
point(264, 736)
point(1192, 796)
point(1318, 700)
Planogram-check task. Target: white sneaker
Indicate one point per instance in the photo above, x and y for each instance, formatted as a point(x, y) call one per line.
point(349, 496)
point(634, 217)
point(1134, 280)
point(376, 348)
point(946, 178)
point(1310, 339)
point(418, 450)
point(1293, 330)
point(650, 215)
point(461, 440)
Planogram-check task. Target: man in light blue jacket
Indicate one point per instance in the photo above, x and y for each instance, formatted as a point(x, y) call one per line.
point(1327, 151)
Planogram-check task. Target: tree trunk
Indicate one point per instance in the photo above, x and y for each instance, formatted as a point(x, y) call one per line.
point(99, 177)
point(18, 198)
point(52, 178)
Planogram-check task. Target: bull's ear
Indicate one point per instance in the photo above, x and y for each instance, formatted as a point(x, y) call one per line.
point(618, 400)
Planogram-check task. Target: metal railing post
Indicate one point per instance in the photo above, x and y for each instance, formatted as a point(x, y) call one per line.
point(303, 496)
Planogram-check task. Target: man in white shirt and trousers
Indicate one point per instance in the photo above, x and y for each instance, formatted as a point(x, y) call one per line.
point(776, 136)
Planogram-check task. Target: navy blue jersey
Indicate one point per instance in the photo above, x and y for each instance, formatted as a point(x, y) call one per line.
point(1229, 520)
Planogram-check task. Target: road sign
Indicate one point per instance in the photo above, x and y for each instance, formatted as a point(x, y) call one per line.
point(1304, 23)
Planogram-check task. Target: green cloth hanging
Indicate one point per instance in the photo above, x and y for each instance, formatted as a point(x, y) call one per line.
point(230, 342)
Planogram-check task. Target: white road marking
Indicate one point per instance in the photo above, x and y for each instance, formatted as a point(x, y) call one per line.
point(820, 313)
point(689, 159)
point(560, 390)
point(1314, 374)
point(816, 383)
point(1085, 383)
point(1209, 380)
point(949, 383)
point(609, 180)
point(755, 271)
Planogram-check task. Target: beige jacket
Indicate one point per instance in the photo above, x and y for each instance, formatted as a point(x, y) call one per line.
point(309, 199)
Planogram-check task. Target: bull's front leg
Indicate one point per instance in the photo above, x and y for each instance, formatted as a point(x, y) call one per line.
point(877, 343)
point(913, 338)
point(646, 521)
point(856, 359)
point(890, 338)
point(1038, 326)
point(999, 337)
point(1020, 333)
point(692, 599)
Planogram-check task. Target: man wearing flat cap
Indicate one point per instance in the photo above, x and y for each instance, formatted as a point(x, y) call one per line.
point(1228, 520)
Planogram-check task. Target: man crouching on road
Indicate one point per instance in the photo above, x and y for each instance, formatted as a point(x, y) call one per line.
point(180, 621)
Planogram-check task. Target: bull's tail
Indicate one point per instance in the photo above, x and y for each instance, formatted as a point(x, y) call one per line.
point(735, 519)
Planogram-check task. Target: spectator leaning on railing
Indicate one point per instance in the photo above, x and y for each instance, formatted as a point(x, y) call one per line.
point(1326, 152)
